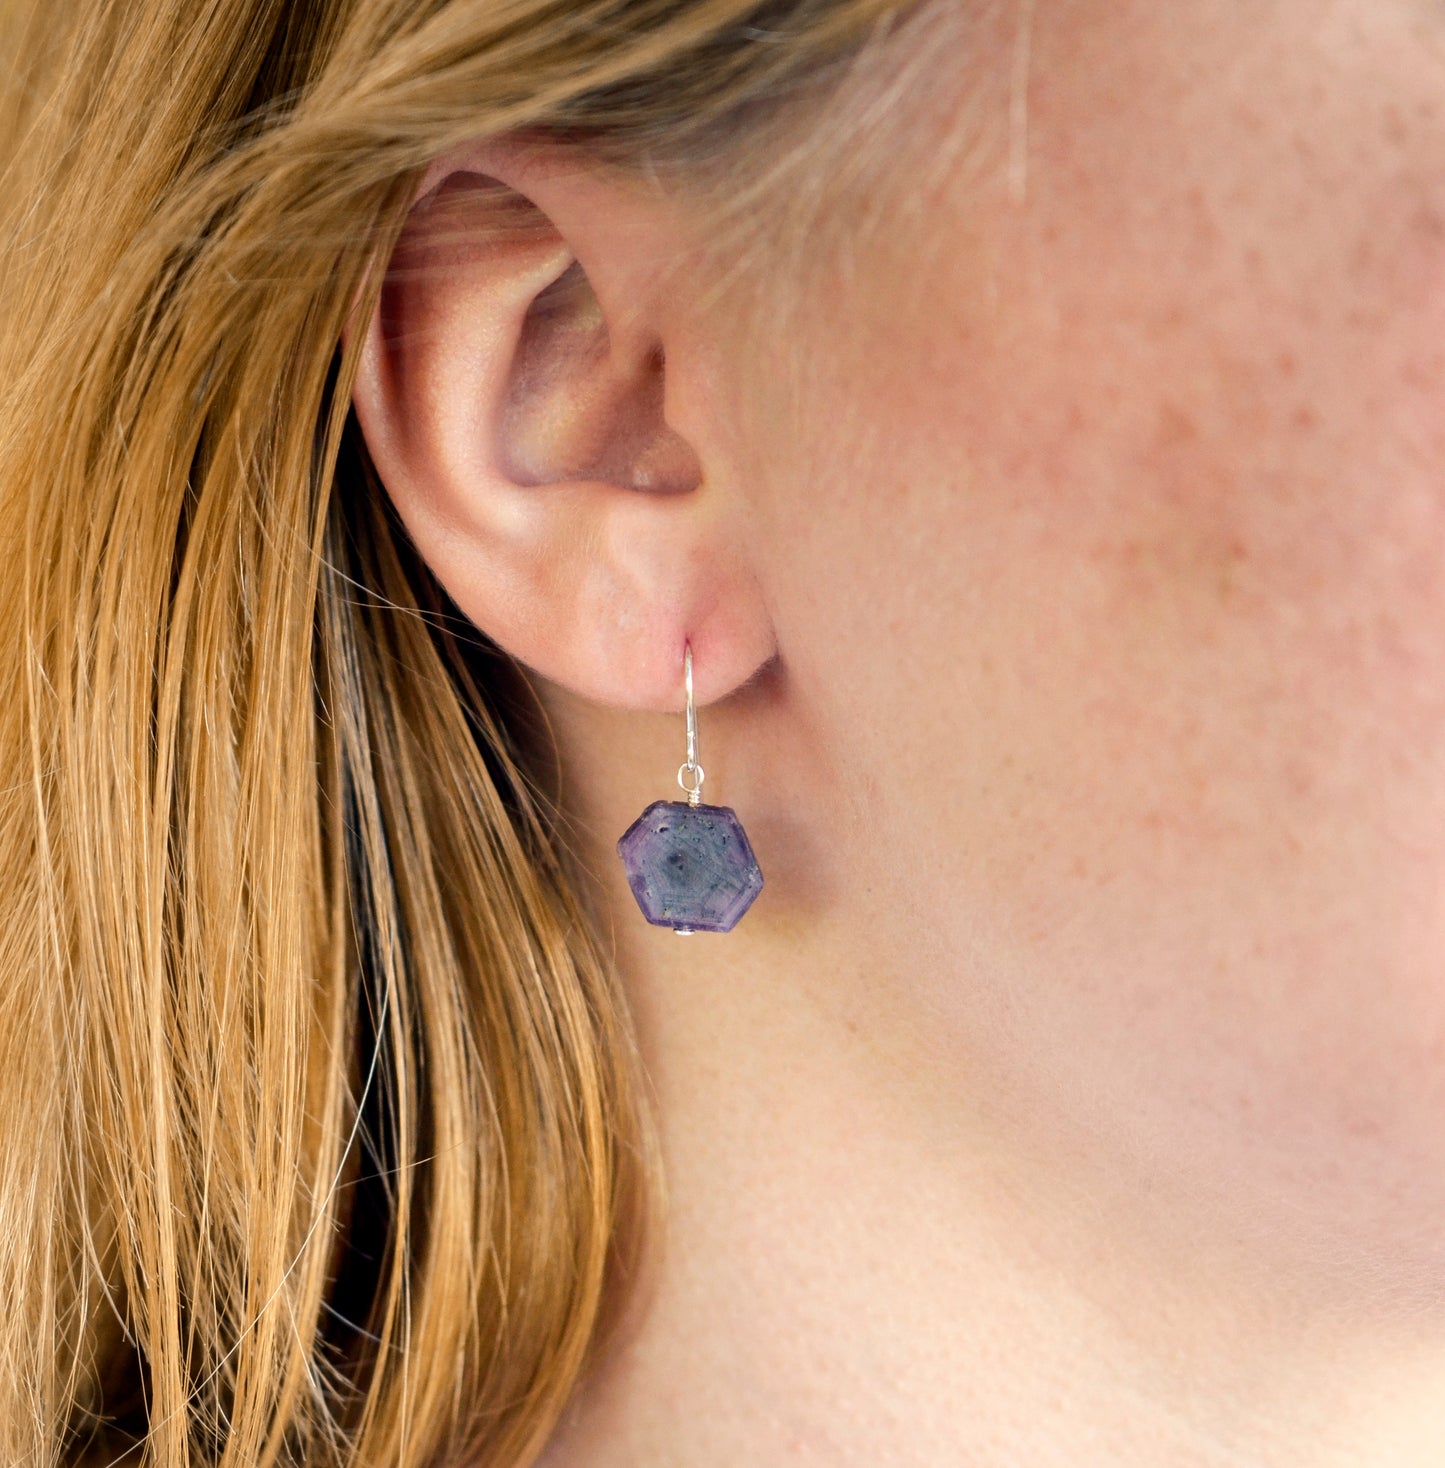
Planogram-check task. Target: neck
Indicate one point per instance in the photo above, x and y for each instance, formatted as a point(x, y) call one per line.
point(871, 1255)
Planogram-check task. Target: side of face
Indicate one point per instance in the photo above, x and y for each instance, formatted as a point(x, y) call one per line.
point(1081, 485)
point(1102, 524)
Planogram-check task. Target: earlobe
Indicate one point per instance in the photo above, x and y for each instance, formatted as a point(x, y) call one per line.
point(513, 390)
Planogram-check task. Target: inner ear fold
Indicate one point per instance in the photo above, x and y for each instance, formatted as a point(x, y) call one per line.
point(461, 214)
point(578, 406)
point(575, 404)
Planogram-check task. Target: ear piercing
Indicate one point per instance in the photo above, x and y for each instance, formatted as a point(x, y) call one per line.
point(690, 865)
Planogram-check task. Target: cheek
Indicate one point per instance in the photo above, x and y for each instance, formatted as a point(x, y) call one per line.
point(1139, 582)
point(1152, 579)
point(1230, 461)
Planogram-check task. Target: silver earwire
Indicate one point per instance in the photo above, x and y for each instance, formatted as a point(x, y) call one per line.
point(690, 774)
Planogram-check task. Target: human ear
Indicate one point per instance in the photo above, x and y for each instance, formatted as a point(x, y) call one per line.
point(534, 394)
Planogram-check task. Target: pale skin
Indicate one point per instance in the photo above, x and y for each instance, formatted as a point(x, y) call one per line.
point(1070, 638)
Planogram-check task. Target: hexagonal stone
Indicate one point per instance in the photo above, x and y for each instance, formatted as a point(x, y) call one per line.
point(690, 866)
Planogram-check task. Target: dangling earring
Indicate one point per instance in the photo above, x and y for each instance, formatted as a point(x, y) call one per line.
point(690, 865)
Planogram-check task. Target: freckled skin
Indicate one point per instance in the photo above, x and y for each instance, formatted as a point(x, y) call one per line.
point(1126, 515)
point(1073, 1095)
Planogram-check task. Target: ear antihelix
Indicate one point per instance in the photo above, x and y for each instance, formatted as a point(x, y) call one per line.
point(690, 865)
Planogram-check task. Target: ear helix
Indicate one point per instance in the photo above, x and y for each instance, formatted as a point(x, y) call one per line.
point(690, 865)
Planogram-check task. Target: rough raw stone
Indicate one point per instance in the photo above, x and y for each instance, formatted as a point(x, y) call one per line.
point(690, 866)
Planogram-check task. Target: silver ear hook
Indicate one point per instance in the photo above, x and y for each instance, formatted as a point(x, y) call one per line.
point(690, 774)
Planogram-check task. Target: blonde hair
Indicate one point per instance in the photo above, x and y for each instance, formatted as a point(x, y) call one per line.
point(323, 1140)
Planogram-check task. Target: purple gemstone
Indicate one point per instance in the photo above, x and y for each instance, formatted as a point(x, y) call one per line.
point(690, 866)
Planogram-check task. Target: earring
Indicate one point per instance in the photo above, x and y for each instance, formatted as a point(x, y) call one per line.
point(690, 865)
